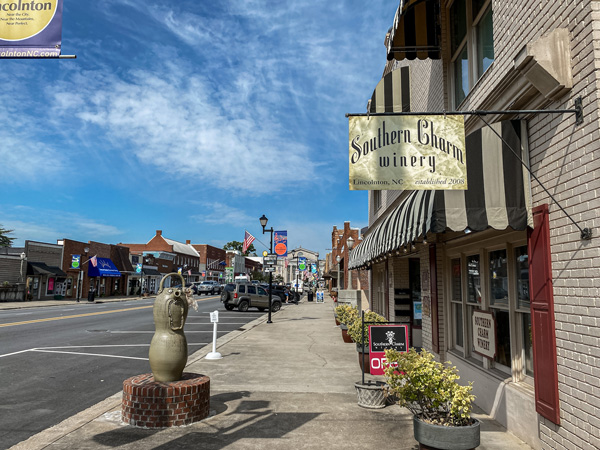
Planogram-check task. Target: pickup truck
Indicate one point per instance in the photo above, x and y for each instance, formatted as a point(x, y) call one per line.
point(208, 288)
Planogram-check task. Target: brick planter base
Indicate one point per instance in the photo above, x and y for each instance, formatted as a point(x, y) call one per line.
point(152, 404)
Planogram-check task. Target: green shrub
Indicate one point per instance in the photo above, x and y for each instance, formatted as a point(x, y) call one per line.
point(359, 336)
point(346, 314)
point(428, 388)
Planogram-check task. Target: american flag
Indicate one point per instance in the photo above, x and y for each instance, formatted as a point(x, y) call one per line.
point(248, 239)
point(94, 261)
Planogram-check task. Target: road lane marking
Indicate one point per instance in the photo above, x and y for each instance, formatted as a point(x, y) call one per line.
point(88, 354)
point(74, 316)
point(49, 349)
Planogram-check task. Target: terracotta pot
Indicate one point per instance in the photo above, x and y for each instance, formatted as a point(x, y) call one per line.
point(345, 336)
point(363, 359)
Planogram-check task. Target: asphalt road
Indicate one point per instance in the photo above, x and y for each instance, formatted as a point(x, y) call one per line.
point(58, 361)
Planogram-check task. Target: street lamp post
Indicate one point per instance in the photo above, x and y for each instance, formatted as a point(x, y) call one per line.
point(298, 255)
point(263, 222)
point(23, 256)
point(349, 244)
point(338, 259)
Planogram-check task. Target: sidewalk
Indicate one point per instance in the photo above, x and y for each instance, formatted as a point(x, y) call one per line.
point(288, 385)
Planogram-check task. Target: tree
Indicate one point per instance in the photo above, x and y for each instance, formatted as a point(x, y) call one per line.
point(5, 241)
point(236, 245)
point(257, 275)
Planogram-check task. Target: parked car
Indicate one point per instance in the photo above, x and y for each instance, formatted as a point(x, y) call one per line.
point(209, 287)
point(246, 295)
point(279, 291)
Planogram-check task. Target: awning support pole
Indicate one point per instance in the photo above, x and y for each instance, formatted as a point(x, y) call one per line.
point(586, 233)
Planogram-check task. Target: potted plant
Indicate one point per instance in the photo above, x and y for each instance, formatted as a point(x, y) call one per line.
point(360, 335)
point(441, 407)
point(346, 315)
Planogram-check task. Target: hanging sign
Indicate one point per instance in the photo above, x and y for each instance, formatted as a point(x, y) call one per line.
point(302, 263)
point(30, 29)
point(383, 337)
point(484, 334)
point(280, 239)
point(75, 261)
point(407, 153)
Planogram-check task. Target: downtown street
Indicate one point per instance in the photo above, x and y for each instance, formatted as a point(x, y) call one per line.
point(57, 361)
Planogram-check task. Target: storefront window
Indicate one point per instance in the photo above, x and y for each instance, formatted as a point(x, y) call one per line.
point(504, 292)
point(498, 278)
point(458, 325)
point(523, 305)
point(50, 289)
point(522, 264)
point(473, 280)
point(456, 298)
point(502, 338)
point(527, 347)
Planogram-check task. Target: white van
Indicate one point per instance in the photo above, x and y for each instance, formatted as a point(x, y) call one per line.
point(241, 279)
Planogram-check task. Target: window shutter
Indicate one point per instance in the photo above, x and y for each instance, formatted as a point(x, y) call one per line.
point(435, 331)
point(542, 317)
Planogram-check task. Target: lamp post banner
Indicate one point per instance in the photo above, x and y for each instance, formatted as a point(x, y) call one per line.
point(407, 153)
point(280, 239)
point(30, 28)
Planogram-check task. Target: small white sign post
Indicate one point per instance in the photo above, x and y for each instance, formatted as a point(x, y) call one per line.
point(214, 318)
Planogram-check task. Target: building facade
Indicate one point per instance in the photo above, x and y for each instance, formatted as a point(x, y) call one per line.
point(501, 279)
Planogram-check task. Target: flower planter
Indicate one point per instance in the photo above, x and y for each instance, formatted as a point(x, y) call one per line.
point(345, 335)
point(370, 395)
point(438, 437)
point(363, 359)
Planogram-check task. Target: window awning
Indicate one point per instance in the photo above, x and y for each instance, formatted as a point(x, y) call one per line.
point(40, 268)
point(104, 268)
point(392, 93)
point(151, 272)
point(498, 197)
point(415, 32)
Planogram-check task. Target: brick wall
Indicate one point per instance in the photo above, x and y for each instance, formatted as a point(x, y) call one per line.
point(565, 159)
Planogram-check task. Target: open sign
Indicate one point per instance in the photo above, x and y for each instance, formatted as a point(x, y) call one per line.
point(381, 338)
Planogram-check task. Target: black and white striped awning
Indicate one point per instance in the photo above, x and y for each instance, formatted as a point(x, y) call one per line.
point(416, 31)
point(498, 197)
point(392, 93)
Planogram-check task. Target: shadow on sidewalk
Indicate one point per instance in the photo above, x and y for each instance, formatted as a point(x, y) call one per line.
point(250, 419)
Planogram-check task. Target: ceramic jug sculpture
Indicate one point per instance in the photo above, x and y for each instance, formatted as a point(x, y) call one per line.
point(168, 349)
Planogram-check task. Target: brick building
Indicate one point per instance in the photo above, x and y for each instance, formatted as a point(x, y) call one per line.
point(514, 247)
point(111, 276)
point(160, 256)
point(213, 261)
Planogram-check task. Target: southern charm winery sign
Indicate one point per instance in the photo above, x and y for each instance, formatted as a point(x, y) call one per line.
point(484, 334)
point(417, 152)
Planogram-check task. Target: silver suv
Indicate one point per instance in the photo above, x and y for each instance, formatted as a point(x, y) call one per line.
point(208, 288)
point(245, 295)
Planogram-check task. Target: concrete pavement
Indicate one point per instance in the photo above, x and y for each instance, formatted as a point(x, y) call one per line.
point(288, 384)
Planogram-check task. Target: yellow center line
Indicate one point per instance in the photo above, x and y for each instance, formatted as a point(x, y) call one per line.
point(73, 316)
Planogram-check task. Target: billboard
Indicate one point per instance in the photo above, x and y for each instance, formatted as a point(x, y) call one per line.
point(30, 28)
point(415, 152)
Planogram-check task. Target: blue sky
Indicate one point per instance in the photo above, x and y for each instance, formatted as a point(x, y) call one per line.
point(191, 117)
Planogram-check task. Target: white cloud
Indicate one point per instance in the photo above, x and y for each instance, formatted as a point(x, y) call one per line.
point(26, 160)
point(48, 225)
point(175, 122)
point(219, 213)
